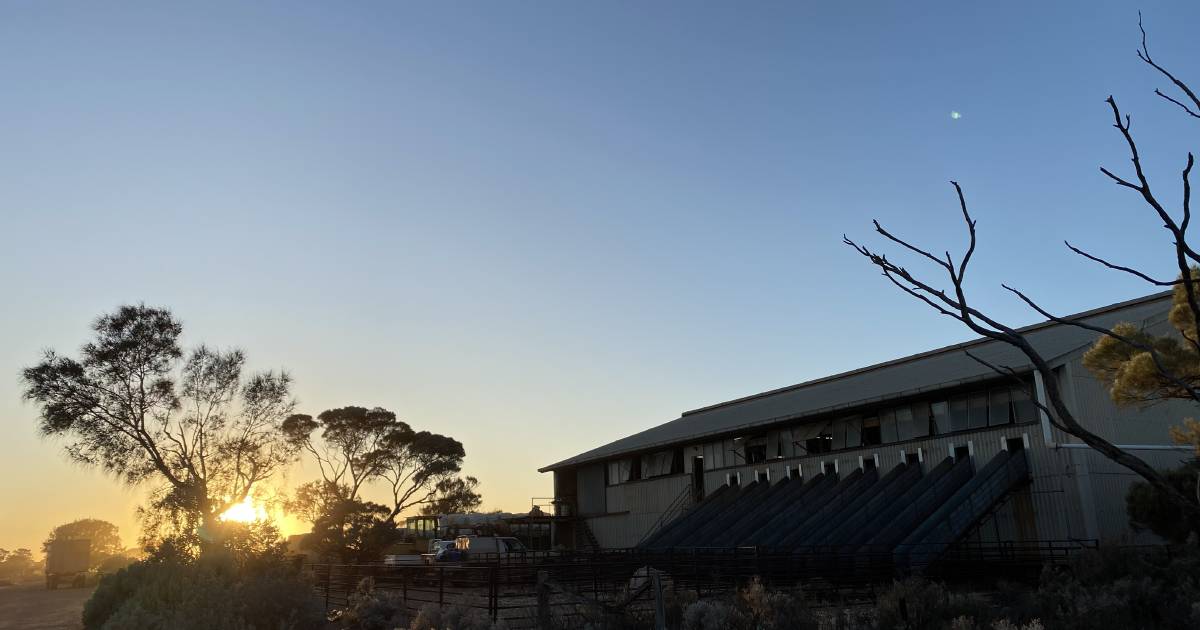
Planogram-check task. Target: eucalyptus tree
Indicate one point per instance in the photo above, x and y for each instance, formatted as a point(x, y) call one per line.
point(356, 447)
point(135, 404)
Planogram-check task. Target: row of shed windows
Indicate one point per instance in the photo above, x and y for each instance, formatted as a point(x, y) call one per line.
point(645, 466)
point(992, 407)
point(995, 406)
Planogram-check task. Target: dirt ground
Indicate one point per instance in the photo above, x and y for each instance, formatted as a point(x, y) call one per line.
point(32, 607)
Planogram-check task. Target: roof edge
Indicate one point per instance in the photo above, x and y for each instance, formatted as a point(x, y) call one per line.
point(893, 362)
point(928, 353)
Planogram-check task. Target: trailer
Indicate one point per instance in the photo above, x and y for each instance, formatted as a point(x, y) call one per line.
point(67, 562)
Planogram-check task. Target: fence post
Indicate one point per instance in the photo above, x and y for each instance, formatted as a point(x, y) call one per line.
point(491, 592)
point(328, 579)
point(660, 609)
point(543, 601)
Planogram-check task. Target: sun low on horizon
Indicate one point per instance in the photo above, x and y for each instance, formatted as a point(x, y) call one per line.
point(245, 511)
point(248, 510)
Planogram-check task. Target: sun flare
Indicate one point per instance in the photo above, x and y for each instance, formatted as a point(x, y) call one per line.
point(245, 512)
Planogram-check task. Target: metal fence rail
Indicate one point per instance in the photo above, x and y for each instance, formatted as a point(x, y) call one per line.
point(519, 587)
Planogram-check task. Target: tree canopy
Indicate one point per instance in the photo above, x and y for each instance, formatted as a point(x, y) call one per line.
point(455, 495)
point(135, 404)
point(356, 446)
point(17, 565)
point(104, 536)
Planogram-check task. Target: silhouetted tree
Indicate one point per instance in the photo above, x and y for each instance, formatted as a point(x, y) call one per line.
point(357, 446)
point(454, 495)
point(104, 536)
point(17, 565)
point(354, 445)
point(135, 405)
point(418, 464)
point(1122, 350)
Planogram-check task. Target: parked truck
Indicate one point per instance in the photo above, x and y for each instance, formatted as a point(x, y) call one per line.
point(67, 562)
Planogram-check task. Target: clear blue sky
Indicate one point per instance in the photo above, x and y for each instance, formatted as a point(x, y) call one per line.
point(542, 226)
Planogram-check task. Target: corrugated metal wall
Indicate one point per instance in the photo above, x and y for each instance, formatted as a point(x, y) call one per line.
point(641, 504)
point(1076, 493)
point(591, 491)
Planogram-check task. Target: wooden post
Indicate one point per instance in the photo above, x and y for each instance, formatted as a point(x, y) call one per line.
point(660, 609)
point(543, 601)
point(328, 579)
point(494, 592)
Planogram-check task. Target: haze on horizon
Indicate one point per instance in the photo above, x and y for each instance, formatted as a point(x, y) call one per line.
point(540, 228)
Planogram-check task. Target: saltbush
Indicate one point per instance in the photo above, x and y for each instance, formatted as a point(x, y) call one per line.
point(434, 617)
point(372, 609)
point(1122, 588)
point(917, 604)
point(209, 592)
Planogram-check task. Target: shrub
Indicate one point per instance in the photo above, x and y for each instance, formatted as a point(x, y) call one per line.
point(374, 610)
point(1114, 587)
point(433, 617)
point(1148, 508)
point(774, 610)
point(211, 592)
point(708, 614)
point(917, 604)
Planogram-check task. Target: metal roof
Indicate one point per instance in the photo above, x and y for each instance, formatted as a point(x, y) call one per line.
point(935, 369)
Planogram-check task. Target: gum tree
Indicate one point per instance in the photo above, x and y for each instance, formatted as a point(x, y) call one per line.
point(193, 424)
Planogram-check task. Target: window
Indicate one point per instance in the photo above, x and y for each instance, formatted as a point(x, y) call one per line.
point(890, 423)
point(814, 438)
point(1023, 409)
point(912, 459)
point(618, 471)
point(869, 463)
point(846, 433)
point(977, 405)
point(756, 450)
point(999, 407)
point(905, 429)
point(939, 417)
point(657, 464)
point(922, 418)
point(958, 413)
point(871, 433)
point(762, 476)
point(962, 452)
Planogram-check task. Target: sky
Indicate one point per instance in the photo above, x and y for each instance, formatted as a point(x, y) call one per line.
point(539, 227)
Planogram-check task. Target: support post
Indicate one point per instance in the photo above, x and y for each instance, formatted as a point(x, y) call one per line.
point(543, 601)
point(660, 609)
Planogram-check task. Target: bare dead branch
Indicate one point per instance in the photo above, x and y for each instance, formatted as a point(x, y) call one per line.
point(1144, 54)
point(1129, 270)
point(1005, 370)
